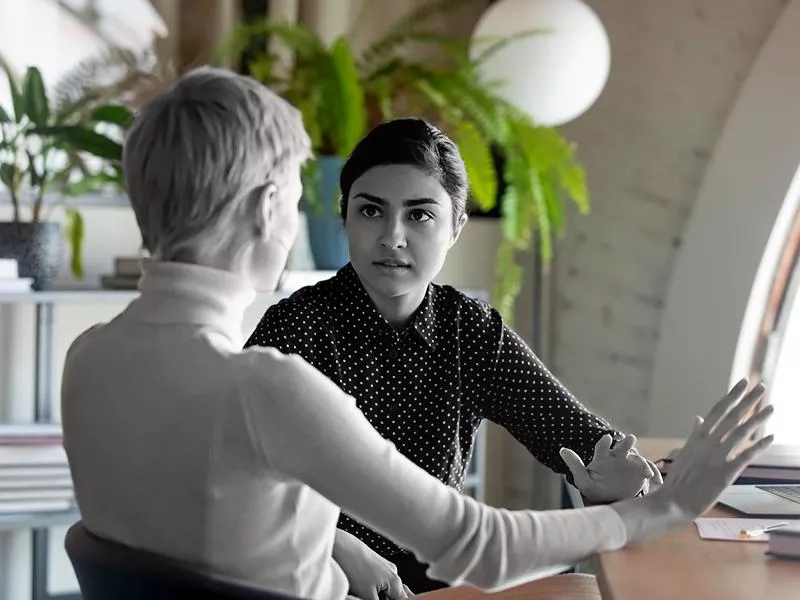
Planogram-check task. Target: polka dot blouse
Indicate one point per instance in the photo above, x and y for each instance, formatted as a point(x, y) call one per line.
point(428, 387)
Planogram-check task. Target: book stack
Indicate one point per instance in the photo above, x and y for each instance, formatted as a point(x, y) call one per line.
point(785, 542)
point(127, 271)
point(34, 474)
point(780, 463)
point(10, 281)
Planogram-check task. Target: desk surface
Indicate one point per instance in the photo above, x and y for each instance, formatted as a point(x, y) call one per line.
point(683, 566)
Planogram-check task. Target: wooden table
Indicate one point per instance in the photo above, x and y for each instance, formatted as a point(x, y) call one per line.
point(677, 566)
point(560, 587)
point(682, 566)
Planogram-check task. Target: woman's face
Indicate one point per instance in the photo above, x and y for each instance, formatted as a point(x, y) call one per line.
point(399, 226)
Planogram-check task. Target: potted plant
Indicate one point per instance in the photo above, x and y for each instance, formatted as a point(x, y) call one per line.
point(342, 96)
point(43, 150)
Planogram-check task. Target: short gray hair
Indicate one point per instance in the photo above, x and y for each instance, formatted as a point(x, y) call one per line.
point(197, 150)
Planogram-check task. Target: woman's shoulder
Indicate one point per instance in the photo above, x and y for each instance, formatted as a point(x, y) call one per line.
point(309, 303)
point(287, 379)
point(471, 305)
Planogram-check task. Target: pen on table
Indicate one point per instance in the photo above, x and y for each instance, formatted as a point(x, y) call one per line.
point(746, 533)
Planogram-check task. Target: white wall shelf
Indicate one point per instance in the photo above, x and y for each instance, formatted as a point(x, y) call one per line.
point(295, 280)
point(109, 200)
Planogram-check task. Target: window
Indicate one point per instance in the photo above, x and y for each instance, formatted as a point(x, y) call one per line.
point(778, 352)
point(56, 35)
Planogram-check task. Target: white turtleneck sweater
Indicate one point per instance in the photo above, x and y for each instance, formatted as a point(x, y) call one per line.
point(181, 443)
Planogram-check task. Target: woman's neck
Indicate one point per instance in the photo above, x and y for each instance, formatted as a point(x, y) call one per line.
point(397, 310)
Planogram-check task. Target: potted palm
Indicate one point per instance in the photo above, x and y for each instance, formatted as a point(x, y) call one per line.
point(51, 151)
point(342, 95)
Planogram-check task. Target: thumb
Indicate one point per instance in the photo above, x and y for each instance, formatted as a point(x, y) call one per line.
point(575, 465)
point(396, 591)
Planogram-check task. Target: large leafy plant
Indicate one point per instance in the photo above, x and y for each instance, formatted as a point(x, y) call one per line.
point(342, 95)
point(64, 150)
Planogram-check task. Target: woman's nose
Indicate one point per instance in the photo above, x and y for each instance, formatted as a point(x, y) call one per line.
point(393, 235)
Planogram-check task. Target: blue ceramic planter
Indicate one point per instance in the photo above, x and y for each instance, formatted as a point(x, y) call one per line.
point(326, 234)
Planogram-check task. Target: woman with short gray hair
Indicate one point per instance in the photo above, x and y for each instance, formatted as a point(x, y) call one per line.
point(181, 444)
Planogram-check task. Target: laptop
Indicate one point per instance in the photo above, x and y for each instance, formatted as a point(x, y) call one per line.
point(764, 500)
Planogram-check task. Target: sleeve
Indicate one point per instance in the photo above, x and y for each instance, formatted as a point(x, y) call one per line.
point(525, 398)
point(346, 460)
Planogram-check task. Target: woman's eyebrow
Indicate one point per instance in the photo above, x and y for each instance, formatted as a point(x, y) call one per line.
point(408, 202)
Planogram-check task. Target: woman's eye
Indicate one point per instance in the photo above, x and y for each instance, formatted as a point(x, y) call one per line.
point(419, 215)
point(370, 211)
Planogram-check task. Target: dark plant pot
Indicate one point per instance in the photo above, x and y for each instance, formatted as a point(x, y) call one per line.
point(37, 247)
point(326, 234)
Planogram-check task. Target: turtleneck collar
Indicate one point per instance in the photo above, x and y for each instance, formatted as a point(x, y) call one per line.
point(181, 293)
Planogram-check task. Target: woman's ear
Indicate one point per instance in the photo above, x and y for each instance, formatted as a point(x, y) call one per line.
point(260, 210)
point(462, 220)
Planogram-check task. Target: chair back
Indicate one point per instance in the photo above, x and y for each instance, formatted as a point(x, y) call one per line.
point(107, 570)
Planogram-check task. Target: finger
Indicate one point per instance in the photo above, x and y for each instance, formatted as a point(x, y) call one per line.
point(640, 462)
point(737, 412)
point(575, 466)
point(697, 429)
point(656, 478)
point(395, 590)
point(721, 408)
point(624, 446)
point(603, 447)
point(744, 430)
point(745, 457)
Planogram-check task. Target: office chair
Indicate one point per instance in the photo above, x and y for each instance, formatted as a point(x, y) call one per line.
point(110, 571)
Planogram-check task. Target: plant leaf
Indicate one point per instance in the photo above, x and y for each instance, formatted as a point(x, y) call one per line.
point(17, 99)
point(555, 207)
point(541, 217)
point(296, 37)
point(406, 27)
point(492, 45)
point(84, 139)
point(74, 231)
point(4, 118)
point(8, 173)
point(508, 281)
point(479, 163)
point(115, 114)
point(36, 179)
point(311, 176)
point(347, 96)
point(37, 106)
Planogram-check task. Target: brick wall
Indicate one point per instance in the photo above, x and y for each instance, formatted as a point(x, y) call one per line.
point(676, 70)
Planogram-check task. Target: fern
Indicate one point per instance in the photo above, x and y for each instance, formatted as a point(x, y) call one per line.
point(349, 94)
point(402, 32)
point(296, 37)
point(494, 45)
point(508, 280)
point(342, 95)
point(113, 75)
point(479, 164)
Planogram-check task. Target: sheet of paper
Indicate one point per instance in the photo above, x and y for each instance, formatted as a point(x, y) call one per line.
point(730, 529)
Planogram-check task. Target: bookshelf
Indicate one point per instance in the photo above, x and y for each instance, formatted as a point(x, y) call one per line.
point(44, 315)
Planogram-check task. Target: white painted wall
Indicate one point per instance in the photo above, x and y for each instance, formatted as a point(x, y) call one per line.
point(746, 205)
